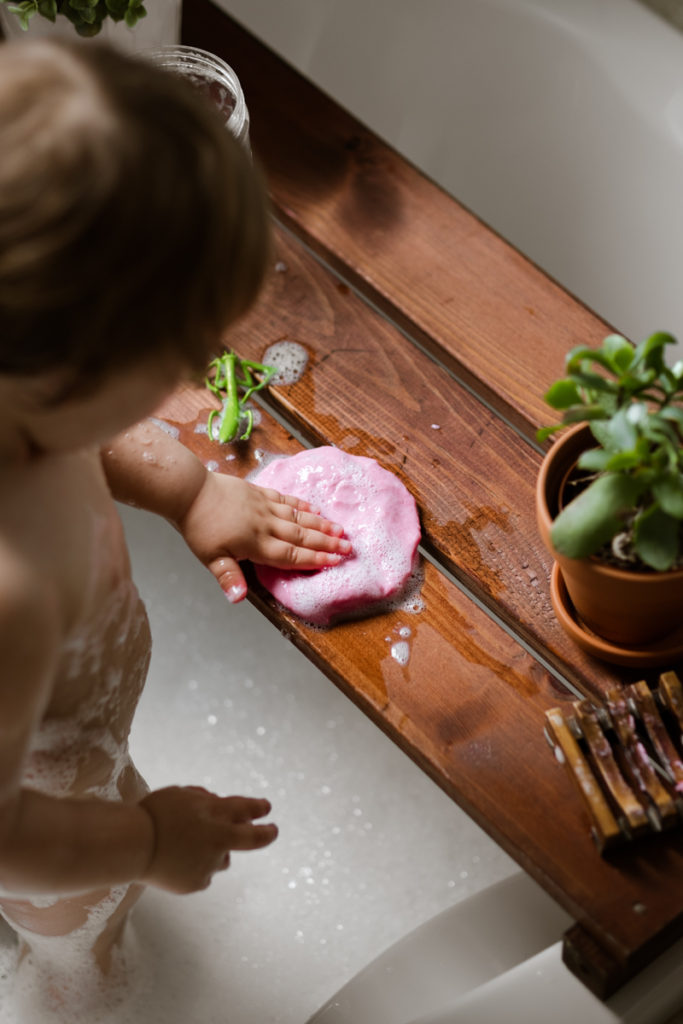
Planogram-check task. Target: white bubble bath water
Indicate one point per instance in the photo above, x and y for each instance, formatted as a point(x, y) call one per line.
point(368, 848)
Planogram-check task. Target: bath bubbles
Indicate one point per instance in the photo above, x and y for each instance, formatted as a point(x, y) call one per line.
point(379, 518)
point(289, 359)
point(167, 428)
point(400, 652)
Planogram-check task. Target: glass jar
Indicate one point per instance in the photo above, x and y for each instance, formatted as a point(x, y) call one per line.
point(214, 78)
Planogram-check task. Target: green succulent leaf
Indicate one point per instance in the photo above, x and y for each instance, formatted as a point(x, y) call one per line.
point(595, 459)
point(674, 414)
point(618, 351)
point(580, 359)
point(134, 14)
point(669, 493)
point(651, 351)
point(562, 394)
point(543, 433)
point(24, 12)
point(583, 413)
point(633, 403)
point(48, 9)
point(595, 515)
point(593, 381)
point(620, 433)
point(622, 462)
point(656, 539)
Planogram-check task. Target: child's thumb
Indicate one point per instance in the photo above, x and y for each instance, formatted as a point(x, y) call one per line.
point(230, 578)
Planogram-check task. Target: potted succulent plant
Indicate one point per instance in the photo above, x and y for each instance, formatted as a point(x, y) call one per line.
point(156, 22)
point(609, 497)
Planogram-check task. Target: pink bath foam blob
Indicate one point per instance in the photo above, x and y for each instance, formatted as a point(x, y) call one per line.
point(379, 518)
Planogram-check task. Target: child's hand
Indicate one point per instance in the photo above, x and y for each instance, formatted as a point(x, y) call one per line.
point(231, 519)
point(195, 832)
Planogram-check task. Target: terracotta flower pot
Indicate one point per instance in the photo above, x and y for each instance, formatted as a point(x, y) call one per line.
point(626, 607)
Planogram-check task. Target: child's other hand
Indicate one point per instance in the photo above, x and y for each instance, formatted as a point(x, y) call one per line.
point(195, 832)
point(231, 519)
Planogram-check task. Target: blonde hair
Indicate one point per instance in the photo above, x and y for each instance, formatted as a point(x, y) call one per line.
point(131, 223)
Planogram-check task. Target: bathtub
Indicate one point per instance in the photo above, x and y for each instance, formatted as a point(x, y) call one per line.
point(558, 122)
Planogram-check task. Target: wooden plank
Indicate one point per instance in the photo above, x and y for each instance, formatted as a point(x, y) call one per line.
point(365, 390)
point(469, 707)
point(464, 706)
point(493, 318)
point(371, 393)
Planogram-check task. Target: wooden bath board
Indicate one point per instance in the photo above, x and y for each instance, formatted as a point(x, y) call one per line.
point(431, 343)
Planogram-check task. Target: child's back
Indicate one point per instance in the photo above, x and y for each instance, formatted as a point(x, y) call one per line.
point(59, 525)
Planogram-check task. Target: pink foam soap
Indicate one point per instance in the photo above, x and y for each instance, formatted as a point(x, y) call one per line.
point(379, 518)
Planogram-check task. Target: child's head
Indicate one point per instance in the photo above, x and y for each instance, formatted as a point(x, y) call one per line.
point(131, 223)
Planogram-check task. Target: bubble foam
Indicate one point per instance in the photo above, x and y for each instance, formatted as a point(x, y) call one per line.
point(289, 359)
point(379, 517)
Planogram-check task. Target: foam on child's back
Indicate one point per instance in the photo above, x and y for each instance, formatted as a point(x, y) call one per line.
point(379, 518)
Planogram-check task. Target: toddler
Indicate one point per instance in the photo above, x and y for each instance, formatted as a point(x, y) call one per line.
point(133, 231)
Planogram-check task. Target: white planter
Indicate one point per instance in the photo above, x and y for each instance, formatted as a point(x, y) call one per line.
point(161, 27)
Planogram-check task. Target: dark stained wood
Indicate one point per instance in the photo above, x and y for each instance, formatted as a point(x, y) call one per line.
point(489, 314)
point(469, 708)
point(368, 392)
point(469, 704)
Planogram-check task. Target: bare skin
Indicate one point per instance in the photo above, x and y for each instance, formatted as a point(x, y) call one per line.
point(76, 820)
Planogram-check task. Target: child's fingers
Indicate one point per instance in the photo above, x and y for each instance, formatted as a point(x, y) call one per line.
point(307, 519)
point(245, 808)
point(251, 837)
point(294, 548)
point(241, 813)
point(285, 499)
point(293, 509)
point(230, 578)
point(301, 530)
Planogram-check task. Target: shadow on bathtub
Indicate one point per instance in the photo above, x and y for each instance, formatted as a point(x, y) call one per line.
point(496, 958)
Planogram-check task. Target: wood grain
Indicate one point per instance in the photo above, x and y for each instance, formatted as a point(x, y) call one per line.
point(469, 704)
point(368, 392)
point(469, 708)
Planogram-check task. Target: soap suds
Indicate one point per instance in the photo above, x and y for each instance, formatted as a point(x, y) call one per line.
point(290, 360)
point(379, 518)
point(400, 652)
point(168, 428)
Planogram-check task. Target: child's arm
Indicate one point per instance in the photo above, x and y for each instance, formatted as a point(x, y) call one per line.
point(222, 518)
point(175, 838)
